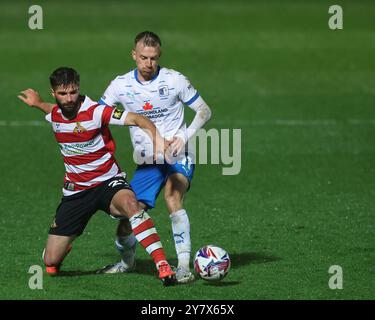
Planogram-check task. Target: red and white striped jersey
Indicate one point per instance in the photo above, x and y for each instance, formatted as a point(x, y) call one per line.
point(86, 144)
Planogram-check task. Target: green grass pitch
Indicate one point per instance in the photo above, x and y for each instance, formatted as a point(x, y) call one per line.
point(303, 96)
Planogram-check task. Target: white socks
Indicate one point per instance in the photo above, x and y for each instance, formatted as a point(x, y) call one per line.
point(181, 237)
point(126, 247)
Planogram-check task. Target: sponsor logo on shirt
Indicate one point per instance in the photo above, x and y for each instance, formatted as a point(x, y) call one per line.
point(147, 106)
point(154, 114)
point(77, 148)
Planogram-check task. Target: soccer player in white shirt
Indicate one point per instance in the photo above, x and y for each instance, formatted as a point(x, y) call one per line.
point(159, 94)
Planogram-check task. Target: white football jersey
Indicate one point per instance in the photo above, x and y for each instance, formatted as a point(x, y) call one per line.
point(161, 100)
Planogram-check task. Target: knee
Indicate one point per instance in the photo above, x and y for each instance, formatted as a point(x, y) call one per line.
point(125, 205)
point(130, 207)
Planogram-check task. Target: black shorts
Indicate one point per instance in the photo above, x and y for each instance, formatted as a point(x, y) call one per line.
point(75, 211)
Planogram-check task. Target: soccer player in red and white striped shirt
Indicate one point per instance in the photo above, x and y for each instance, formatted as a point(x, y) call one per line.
point(93, 179)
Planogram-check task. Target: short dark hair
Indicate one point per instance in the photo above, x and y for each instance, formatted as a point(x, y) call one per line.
point(64, 76)
point(148, 38)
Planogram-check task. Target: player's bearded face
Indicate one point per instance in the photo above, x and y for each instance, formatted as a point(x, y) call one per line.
point(67, 98)
point(147, 60)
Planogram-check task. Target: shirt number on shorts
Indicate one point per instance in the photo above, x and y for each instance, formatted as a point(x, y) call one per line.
point(115, 183)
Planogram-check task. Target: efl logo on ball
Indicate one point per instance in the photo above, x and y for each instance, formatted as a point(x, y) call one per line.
point(211, 263)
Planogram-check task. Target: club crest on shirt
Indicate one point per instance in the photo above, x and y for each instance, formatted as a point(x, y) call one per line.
point(117, 114)
point(79, 128)
point(163, 91)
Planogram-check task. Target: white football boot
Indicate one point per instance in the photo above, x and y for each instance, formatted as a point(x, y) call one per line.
point(183, 276)
point(119, 267)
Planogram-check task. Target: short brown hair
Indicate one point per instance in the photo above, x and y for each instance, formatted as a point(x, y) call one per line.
point(64, 76)
point(148, 38)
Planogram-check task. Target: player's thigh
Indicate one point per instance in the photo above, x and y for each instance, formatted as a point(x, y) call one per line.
point(180, 175)
point(147, 182)
point(183, 170)
point(116, 198)
point(73, 213)
point(56, 248)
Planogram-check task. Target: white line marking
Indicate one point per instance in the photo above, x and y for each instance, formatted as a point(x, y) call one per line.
point(25, 123)
point(294, 123)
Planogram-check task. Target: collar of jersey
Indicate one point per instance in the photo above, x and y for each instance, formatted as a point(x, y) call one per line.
point(153, 78)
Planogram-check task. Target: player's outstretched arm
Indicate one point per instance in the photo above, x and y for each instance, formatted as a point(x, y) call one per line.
point(160, 145)
point(33, 99)
point(203, 114)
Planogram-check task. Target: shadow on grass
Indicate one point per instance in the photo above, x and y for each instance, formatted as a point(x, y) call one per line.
point(75, 273)
point(222, 283)
point(246, 258)
point(147, 267)
point(242, 259)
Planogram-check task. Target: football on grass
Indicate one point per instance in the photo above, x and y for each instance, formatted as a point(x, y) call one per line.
point(211, 263)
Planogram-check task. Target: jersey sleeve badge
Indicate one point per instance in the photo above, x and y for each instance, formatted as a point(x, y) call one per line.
point(117, 114)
